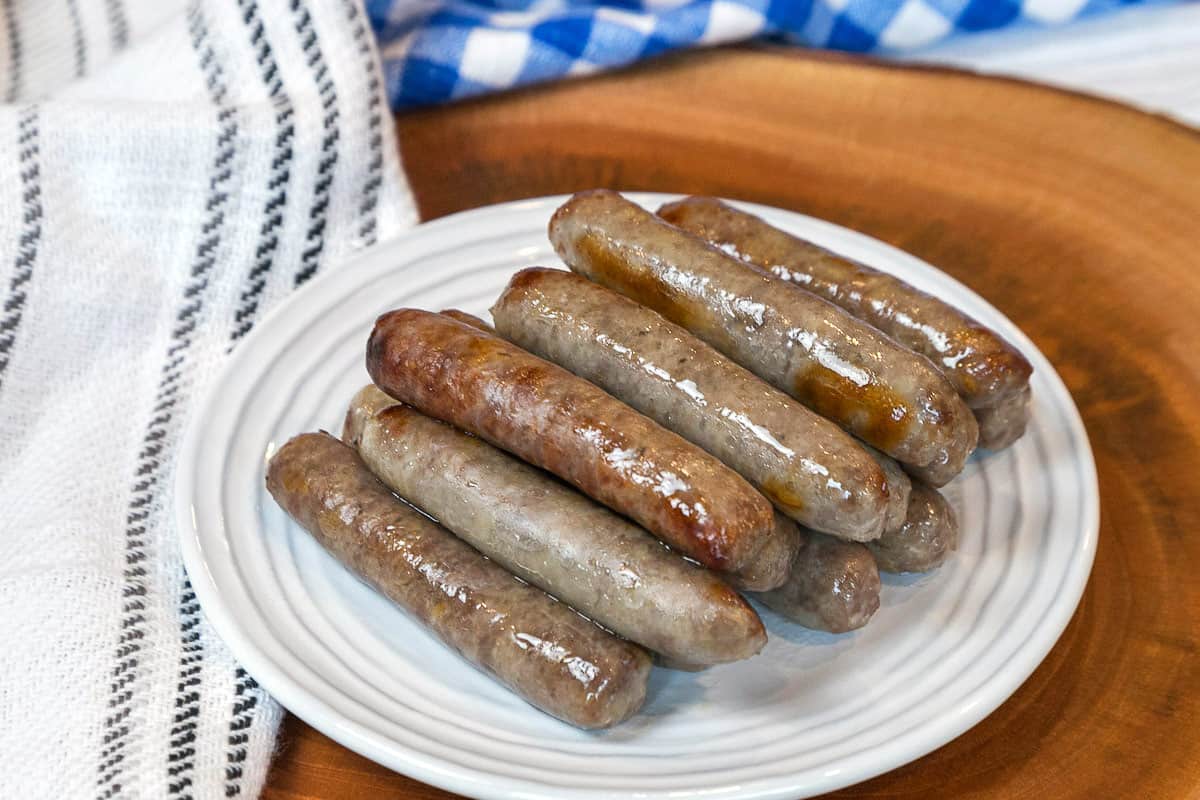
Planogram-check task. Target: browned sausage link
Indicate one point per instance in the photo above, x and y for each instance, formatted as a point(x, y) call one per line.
point(545, 532)
point(467, 319)
point(834, 584)
point(548, 654)
point(812, 470)
point(673, 663)
point(839, 366)
point(984, 368)
point(1003, 424)
point(930, 533)
point(772, 566)
point(939, 473)
point(899, 487)
point(560, 422)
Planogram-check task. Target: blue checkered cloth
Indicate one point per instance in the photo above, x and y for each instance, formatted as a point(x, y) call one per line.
point(440, 50)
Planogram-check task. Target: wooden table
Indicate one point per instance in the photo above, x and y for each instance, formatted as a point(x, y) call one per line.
point(1078, 218)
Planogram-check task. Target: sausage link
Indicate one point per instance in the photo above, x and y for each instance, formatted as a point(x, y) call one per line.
point(1004, 423)
point(837, 365)
point(984, 368)
point(467, 319)
point(555, 420)
point(772, 566)
point(930, 533)
point(939, 472)
point(553, 537)
point(899, 488)
point(544, 651)
point(834, 584)
point(808, 467)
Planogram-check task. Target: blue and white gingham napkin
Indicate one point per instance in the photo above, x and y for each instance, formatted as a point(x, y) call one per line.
point(439, 50)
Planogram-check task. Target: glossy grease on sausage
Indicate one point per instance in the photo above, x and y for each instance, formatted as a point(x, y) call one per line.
point(560, 422)
point(548, 534)
point(839, 366)
point(772, 566)
point(467, 319)
point(808, 467)
point(1004, 423)
point(984, 368)
point(834, 584)
point(929, 534)
point(899, 485)
point(548, 654)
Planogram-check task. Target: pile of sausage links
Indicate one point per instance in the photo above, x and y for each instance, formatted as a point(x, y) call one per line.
point(703, 409)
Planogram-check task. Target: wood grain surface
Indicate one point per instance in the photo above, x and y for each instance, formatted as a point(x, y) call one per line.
point(1078, 218)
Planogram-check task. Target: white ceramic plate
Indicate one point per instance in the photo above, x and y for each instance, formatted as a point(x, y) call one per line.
point(812, 713)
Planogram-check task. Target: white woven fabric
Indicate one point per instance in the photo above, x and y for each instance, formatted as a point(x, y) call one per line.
point(167, 174)
point(1147, 56)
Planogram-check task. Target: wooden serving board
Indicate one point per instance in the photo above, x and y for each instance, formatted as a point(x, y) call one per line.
point(1078, 218)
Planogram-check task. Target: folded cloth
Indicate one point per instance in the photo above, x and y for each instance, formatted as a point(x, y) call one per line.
point(167, 175)
point(1146, 55)
point(438, 50)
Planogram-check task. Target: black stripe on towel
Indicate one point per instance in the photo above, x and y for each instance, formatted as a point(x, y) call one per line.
point(245, 703)
point(374, 179)
point(118, 24)
point(80, 38)
point(280, 176)
point(182, 754)
point(318, 214)
point(28, 163)
point(181, 757)
point(147, 488)
point(15, 55)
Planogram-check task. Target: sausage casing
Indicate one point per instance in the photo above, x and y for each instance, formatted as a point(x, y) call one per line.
point(899, 486)
point(552, 536)
point(773, 564)
point(548, 654)
point(929, 534)
point(560, 422)
point(467, 319)
point(984, 368)
point(839, 366)
point(1005, 422)
point(834, 584)
point(808, 467)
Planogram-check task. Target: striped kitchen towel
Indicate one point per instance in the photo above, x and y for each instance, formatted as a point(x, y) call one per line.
point(168, 172)
point(439, 50)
